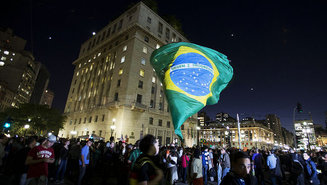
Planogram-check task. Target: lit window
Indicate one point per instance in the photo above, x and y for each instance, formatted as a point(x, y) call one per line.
point(122, 59)
point(149, 20)
point(99, 54)
point(121, 71)
point(157, 46)
point(142, 72)
point(11, 59)
point(2, 63)
point(91, 67)
point(6, 52)
point(3, 58)
point(89, 60)
point(13, 54)
point(143, 61)
point(153, 79)
point(145, 50)
point(124, 48)
point(79, 66)
point(77, 73)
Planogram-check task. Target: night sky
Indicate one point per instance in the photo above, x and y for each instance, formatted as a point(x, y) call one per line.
point(277, 49)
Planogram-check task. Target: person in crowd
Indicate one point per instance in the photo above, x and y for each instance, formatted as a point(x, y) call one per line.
point(296, 168)
point(196, 168)
point(145, 172)
point(205, 164)
point(62, 161)
point(172, 166)
point(73, 161)
point(185, 163)
point(271, 163)
point(240, 171)
point(3, 141)
point(258, 166)
point(20, 167)
point(38, 159)
point(310, 170)
point(225, 162)
point(134, 154)
point(323, 168)
point(85, 160)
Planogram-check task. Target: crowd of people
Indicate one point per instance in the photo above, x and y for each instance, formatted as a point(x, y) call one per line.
point(38, 160)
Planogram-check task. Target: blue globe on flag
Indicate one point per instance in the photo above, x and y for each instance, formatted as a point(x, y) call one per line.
point(192, 73)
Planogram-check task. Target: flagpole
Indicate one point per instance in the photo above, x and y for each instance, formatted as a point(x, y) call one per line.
point(239, 131)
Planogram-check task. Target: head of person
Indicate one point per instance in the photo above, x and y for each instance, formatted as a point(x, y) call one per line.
point(137, 144)
point(257, 150)
point(241, 164)
point(50, 141)
point(306, 156)
point(65, 141)
point(31, 142)
point(89, 142)
point(223, 151)
point(149, 145)
point(196, 153)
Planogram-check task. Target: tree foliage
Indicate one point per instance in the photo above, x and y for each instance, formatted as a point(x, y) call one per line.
point(39, 117)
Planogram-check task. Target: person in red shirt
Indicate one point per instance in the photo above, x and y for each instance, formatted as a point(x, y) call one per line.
point(38, 159)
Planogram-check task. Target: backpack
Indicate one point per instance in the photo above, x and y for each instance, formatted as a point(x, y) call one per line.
point(212, 172)
point(296, 167)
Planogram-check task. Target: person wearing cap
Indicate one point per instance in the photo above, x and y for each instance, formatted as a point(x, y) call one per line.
point(84, 161)
point(38, 159)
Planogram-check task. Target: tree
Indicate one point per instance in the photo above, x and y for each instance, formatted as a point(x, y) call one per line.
point(41, 118)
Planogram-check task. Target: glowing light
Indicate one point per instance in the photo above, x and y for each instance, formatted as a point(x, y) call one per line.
point(93, 33)
point(27, 126)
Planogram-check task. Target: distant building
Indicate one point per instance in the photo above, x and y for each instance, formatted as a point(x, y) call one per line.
point(273, 122)
point(41, 84)
point(203, 118)
point(305, 134)
point(287, 138)
point(6, 96)
point(115, 91)
point(47, 98)
point(253, 134)
point(17, 67)
point(224, 117)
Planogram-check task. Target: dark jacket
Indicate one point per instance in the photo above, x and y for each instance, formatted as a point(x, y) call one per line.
point(232, 179)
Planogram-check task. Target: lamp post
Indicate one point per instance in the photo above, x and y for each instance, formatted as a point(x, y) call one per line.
point(26, 127)
point(113, 127)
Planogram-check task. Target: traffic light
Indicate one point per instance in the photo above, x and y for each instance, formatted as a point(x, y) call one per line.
point(7, 125)
point(299, 108)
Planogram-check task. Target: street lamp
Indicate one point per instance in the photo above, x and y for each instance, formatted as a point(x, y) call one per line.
point(112, 127)
point(26, 127)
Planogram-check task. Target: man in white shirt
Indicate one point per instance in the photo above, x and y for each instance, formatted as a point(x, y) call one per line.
point(271, 163)
point(196, 169)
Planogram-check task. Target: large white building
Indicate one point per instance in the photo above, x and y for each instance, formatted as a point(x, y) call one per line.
point(305, 134)
point(115, 91)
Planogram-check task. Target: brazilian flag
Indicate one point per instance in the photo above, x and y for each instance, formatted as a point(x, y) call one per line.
point(193, 77)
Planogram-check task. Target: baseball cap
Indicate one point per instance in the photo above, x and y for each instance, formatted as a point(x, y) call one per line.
point(52, 138)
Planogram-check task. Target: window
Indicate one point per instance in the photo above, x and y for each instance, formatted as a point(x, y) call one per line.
point(167, 33)
point(157, 46)
point(6, 52)
point(153, 89)
point(168, 124)
point(151, 104)
point(124, 48)
point(80, 120)
point(75, 121)
point(150, 121)
point(146, 39)
point(142, 72)
point(139, 98)
point(87, 132)
point(103, 117)
point(120, 71)
point(100, 133)
point(120, 24)
point(159, 122)
point(160, 27)
point(149, 20)
point(116, 97)
point(174, 38)
point(140, 84)
point(90, 119)
point(71, 122)
point(143, 61)
point(153, 79)
point(96, 118)
point(108, 32)
point(114, 28)
point(85, 120)
point(77, 73)
point(118, 83)
point(145, 50)
point(182, 127)
point(122, 59)
point(168, 108)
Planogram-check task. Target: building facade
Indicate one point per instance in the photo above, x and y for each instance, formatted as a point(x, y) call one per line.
point(252, 134)
point(17, 67)
point(115, 91)
point(287, 138)
point(273, 122)
point(41, 84)
point(305, 134)
point(47, 98)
